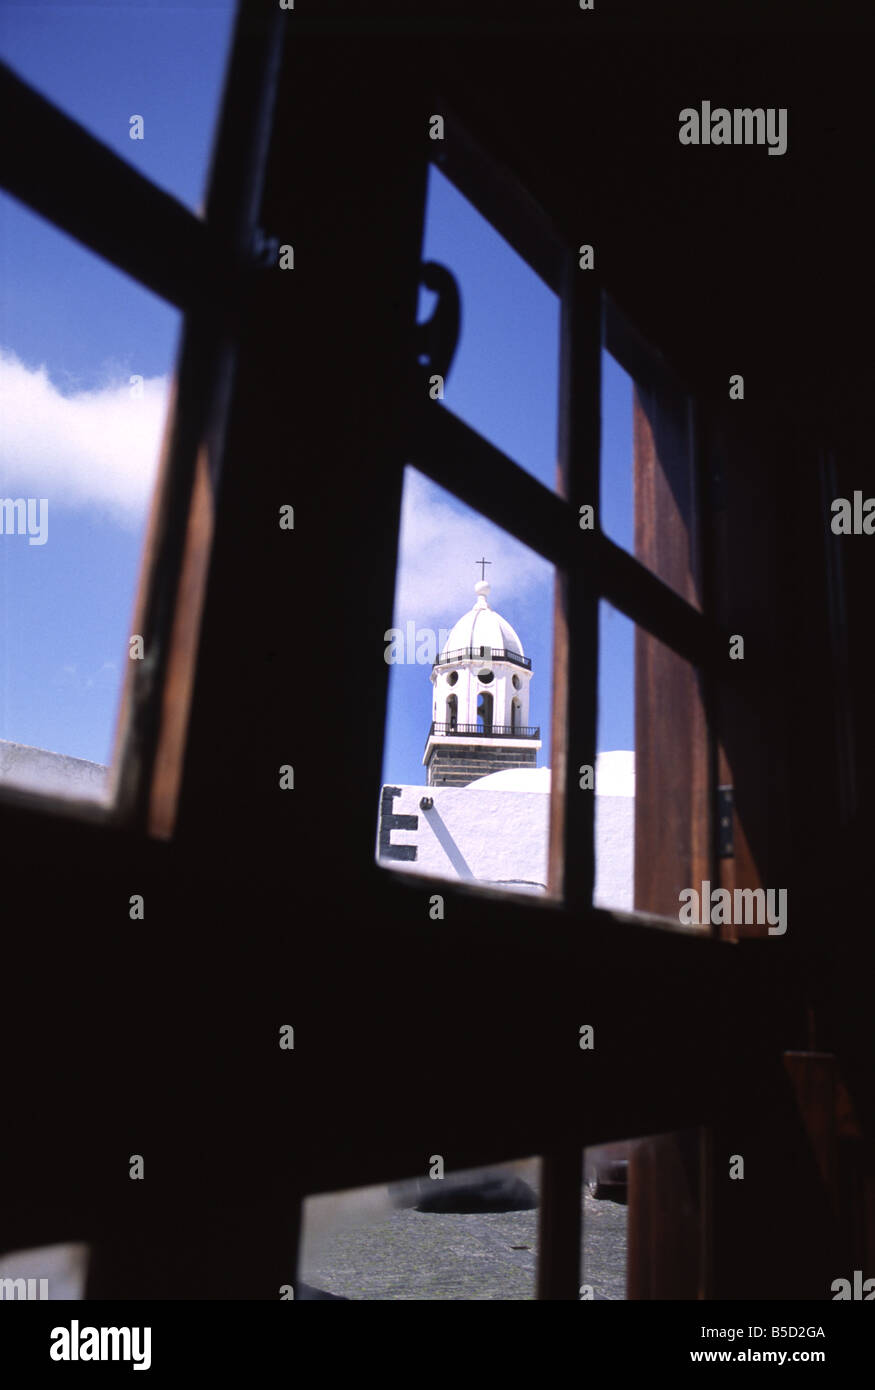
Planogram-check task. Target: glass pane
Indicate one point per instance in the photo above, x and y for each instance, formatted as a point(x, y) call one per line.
point(504, 380)
point(86, 357)
point(615, 763)
point(105, 63)
point(648, 489)
point(466, 753)
point(604, 1235)
point(642, 1214)
point(617, 478)
point(653, 763)
point(466, 1235)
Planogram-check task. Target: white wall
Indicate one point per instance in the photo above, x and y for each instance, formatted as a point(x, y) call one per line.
point(614, 852)
point(482, 833)
point(37, 769)
point(497, 837)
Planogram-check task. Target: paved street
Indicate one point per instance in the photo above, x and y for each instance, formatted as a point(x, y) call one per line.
point(423, 1255)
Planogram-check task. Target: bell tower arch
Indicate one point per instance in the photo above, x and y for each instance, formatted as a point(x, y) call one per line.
point(480, 704)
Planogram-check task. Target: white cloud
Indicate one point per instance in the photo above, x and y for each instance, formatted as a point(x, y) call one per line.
point(104, 677)
point(439, 545)
point(95, 449)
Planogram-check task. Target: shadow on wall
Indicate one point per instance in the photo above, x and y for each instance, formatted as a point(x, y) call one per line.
point(495, 830)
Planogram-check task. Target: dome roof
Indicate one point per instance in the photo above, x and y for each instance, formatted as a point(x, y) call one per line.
point(481, 626)
point(513, 779)
point(614, 776)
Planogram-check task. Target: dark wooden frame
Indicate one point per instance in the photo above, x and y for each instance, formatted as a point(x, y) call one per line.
point(205, 267)
point(663, 596)
point(344, 327)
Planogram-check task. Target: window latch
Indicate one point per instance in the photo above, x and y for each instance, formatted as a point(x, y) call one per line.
point(437, 337)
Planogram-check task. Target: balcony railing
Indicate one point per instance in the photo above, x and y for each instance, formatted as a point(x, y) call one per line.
point(486, 731)
point(483, 654)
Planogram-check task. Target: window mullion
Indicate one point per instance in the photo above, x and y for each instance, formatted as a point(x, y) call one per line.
point(559, 1224)
point(636, 591)
point(452, 454)
point(572, 810)
point(152, 727)
point(67, 176)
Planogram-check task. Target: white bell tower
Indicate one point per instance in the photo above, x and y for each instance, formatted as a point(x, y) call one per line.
point(480, 707)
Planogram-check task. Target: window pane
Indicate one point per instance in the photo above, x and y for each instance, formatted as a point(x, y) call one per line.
point(85, 361)
point(615, 764)
point(504, 380)
point(469, 709)
point(652, 823)
point(648, 486)
point(617, 477)
point(467, 1235)
point(642, 1213)
point(105, 63)
point(604, 1235)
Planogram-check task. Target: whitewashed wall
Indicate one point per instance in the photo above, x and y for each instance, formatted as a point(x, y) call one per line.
point(486, 833)
point(37, 769)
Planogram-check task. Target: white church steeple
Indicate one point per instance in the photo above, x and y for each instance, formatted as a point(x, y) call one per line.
point(480, 705)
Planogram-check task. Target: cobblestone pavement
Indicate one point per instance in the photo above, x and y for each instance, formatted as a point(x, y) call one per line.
point(424, 1255)
point(604, 1248)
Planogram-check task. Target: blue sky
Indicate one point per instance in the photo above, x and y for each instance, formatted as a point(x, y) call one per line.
point(73, 331)
point(504, 382)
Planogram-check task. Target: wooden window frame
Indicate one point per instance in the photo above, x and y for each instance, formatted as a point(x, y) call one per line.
point(590, 567)
point(203, 266)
